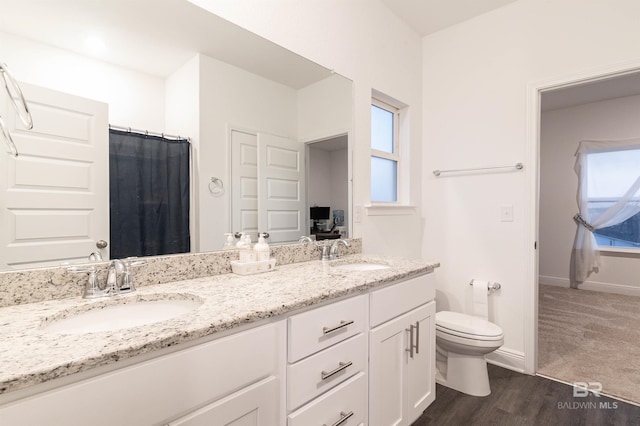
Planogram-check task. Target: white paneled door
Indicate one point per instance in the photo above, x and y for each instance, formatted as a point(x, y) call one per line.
point(54, 197)
point(281, 200)
point(244, 182)
point(267, 189)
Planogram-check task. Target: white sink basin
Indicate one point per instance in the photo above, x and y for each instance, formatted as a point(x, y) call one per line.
point(360, 267)
point(118, 316)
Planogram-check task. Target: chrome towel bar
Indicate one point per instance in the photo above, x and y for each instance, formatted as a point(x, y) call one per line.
point(517, 166)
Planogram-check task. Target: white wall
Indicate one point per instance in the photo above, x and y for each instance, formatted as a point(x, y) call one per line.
point(561, 132)
point(230, 96)
point(476, 79)
point(365, 42)
point(135, 99)
point(325, 109)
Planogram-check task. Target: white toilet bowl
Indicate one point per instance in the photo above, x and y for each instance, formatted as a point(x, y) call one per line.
point(462, 341)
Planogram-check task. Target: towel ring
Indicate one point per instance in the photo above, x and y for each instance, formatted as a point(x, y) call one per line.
point(12, 87)
point(216, 186)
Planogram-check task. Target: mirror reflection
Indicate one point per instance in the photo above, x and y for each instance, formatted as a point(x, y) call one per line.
point(255, 116)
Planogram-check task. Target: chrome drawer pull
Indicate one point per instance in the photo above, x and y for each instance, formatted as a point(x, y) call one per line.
point(417, 337)
point(327, 330)
point(341, 366)
point(343, 418)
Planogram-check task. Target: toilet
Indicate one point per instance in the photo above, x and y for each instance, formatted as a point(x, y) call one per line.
point(462, 341)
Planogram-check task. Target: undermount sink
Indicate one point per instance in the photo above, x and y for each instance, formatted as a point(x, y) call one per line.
point(362, 266)
point(116, 316)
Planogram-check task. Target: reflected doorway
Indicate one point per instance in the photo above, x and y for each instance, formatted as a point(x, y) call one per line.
point(328, 186)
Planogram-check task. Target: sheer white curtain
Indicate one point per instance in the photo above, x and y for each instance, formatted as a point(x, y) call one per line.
point(595, 181)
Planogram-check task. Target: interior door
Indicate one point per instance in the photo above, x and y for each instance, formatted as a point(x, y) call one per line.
point(244, 182)
point(281, 199)
point(54, 197)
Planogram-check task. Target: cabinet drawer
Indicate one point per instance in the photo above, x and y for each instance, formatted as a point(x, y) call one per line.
point(320, 328)
point(306, 377)
point(348, 398)
point(397, 299)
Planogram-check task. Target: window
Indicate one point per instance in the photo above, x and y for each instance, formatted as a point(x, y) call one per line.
point(385, 158)
point(610, 174)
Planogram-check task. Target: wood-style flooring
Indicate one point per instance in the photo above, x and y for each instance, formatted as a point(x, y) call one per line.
point(521, 399)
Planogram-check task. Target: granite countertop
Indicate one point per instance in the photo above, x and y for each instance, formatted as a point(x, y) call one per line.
point(29, 355)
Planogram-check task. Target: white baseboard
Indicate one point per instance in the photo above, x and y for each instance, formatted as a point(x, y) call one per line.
point(507, 358)
point(626, 290)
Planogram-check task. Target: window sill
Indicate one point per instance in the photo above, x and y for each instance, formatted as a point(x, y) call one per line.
point(619, 251)
point(389, 210)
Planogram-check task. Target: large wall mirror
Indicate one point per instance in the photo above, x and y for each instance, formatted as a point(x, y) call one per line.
point(252, 112)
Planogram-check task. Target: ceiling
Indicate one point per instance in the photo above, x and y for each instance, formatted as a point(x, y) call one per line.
point(595, 91)
point(156, 39)
point(429, 16)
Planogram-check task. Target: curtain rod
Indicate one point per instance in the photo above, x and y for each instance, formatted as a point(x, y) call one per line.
point(147, 132)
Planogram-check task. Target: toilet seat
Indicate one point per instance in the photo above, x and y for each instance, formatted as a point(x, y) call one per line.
point(467, 326)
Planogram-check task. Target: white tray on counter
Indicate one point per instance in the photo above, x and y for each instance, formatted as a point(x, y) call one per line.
point(256, 267)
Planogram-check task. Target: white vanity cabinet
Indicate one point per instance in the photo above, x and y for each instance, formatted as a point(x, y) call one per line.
point(402, 352)
point(327, 365)
point(227, 378)
point(362, 360)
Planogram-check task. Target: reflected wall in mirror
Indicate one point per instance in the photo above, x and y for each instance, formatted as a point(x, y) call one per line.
point(175, 69)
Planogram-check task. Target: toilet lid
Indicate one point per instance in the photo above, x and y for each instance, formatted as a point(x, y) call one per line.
point(462, 323)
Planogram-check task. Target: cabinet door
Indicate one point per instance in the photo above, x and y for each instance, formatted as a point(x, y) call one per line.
point(388, 361)
point(420, 379)
point(254, 405)
point(402, 386)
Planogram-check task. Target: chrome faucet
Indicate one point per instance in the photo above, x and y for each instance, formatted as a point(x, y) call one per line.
point(305, 239)
point(95, 257)
point(118, 279)
point(335, 249)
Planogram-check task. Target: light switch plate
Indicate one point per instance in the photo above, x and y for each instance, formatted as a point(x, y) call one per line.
point(357, 214)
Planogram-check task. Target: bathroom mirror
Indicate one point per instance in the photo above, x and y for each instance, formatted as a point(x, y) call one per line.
point(171, 68)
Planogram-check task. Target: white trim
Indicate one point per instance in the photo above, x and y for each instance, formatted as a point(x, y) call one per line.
point(619, 251)
point(389, 210)
point(507, 358)
point(534, 89)
point(626, 290)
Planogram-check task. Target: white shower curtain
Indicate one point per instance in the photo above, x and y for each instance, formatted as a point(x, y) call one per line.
point(585, 257)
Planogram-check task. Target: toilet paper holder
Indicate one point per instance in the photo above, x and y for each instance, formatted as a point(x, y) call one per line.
point(491, 287)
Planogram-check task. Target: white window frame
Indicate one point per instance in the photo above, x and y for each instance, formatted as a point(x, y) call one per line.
point(395, 156)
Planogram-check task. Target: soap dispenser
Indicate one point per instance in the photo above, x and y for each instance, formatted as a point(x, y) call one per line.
point(230, 242)
point(263, 252)
point(244, 245)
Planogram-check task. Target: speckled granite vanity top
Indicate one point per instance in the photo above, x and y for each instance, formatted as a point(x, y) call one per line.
point(29, 355)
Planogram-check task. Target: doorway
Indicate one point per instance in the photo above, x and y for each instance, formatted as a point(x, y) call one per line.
point(328, 186)
point(573, 329)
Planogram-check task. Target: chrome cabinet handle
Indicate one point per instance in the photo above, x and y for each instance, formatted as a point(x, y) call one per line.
point(101, 244)
point(343, 418)
point(327, 330)
point(411, 345)
point(417, 337)
point(341, 366)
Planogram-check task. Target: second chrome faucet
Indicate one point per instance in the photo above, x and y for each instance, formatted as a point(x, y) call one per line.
point(332, 251)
